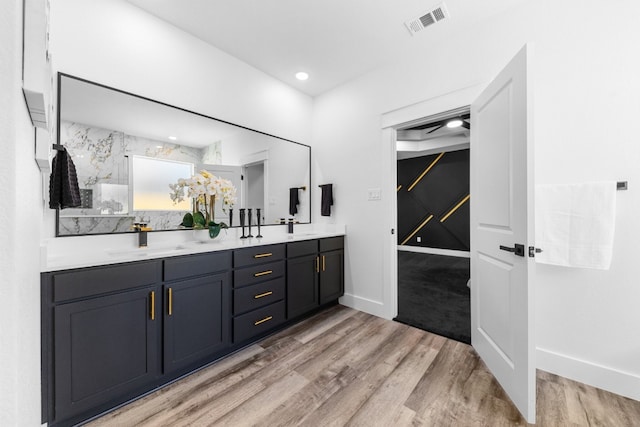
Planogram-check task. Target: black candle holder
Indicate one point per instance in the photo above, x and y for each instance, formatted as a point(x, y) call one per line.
point(230, 217)
point(249, 212)
point(258, 217)
point(242, 213)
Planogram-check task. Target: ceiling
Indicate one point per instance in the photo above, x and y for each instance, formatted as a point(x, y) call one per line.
point(332, 40)
point(434, 137)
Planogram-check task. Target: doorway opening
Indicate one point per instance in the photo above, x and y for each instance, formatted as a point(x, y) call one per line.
point(433, 196)
point(254, 181)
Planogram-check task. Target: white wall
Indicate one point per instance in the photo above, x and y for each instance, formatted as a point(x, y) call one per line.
point(586, 80)
point(20, 218)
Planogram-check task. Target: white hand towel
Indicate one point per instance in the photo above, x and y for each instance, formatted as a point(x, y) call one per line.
point(575, 224)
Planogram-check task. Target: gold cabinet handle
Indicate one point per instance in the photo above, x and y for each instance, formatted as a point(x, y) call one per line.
point(266, 294)
point(263, 273)
point(170, 301)
point(152, 308)
point(317, 264)
point(323, 262)
point(266, 319)
point(263, 255)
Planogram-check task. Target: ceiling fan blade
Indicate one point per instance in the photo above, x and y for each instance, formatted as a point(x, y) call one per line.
point(433, 130)
point(466, 125)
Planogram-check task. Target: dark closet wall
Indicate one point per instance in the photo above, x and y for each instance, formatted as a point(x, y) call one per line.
point(439, 191)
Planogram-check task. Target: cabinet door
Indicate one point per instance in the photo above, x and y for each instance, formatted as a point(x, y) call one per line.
point(302, 285)
point(105, 347)
point(197, 319)
point(331, 276)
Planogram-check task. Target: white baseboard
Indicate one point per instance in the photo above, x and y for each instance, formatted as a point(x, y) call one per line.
point(613, 380)
point(375, 308)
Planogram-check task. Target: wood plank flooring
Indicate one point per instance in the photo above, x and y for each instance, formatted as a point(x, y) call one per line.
point(344, 367)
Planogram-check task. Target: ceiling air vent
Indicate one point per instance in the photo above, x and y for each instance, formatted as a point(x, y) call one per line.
point(436, 15)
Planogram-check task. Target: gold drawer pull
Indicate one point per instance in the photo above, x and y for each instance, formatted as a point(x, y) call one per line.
point(170, 302)
point(266, 319)
point(263, 273)
point(266, 294)
point(317, 264)
point(263, 255)
point(323, 263)
point(152, 304)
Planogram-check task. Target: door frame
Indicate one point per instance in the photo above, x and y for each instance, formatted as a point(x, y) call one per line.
point(412, 115)
point(251, 160)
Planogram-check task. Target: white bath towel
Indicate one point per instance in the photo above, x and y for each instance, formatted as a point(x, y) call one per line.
point(575, 224)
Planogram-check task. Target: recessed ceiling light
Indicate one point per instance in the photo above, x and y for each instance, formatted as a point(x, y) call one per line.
point(454, 123)
point(301, 75)
point(173, 138)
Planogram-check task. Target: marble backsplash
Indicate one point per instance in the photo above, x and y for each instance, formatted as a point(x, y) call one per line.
point(101, 160)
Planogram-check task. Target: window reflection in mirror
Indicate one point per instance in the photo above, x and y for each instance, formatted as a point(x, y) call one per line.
point(103, 129)
point(150, 179)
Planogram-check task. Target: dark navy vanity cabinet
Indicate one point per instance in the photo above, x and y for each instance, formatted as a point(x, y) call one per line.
point(258, 290)
point(113, 333)
point(101, 336)
point(196, 301)
point(315, 274)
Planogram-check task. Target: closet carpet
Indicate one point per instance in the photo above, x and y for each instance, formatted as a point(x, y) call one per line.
point(433, 294)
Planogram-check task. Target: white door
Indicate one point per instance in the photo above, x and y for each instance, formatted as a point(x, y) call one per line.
point(501, 218)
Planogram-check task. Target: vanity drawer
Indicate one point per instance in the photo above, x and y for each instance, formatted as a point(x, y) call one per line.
point(257, 255)
point(258, 321)
point(99, 280)
point(332, 244)
point(305, 247)
point(256, 296)
point(196, 265)
point(256, 274)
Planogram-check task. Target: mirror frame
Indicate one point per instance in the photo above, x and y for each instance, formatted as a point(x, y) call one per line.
point(58, 142)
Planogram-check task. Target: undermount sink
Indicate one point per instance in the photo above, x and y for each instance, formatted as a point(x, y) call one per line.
point(144, 252)
point(304, 234)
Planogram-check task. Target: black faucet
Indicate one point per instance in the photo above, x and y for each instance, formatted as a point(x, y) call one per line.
point(141, 229)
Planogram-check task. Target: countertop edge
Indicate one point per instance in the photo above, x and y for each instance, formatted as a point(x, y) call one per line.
point(109, 256)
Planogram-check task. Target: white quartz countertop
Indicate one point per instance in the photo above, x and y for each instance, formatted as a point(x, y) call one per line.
point(65, 253)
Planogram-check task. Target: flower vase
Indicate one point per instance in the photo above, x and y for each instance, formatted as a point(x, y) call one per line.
point(201, 235)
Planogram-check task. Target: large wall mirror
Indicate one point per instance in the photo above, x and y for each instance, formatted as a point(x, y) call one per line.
point(128, 149)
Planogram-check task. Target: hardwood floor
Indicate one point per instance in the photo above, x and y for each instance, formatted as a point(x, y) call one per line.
point(344, 367)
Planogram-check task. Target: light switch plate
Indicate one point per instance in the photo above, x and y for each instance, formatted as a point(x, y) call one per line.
point(374, 194)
